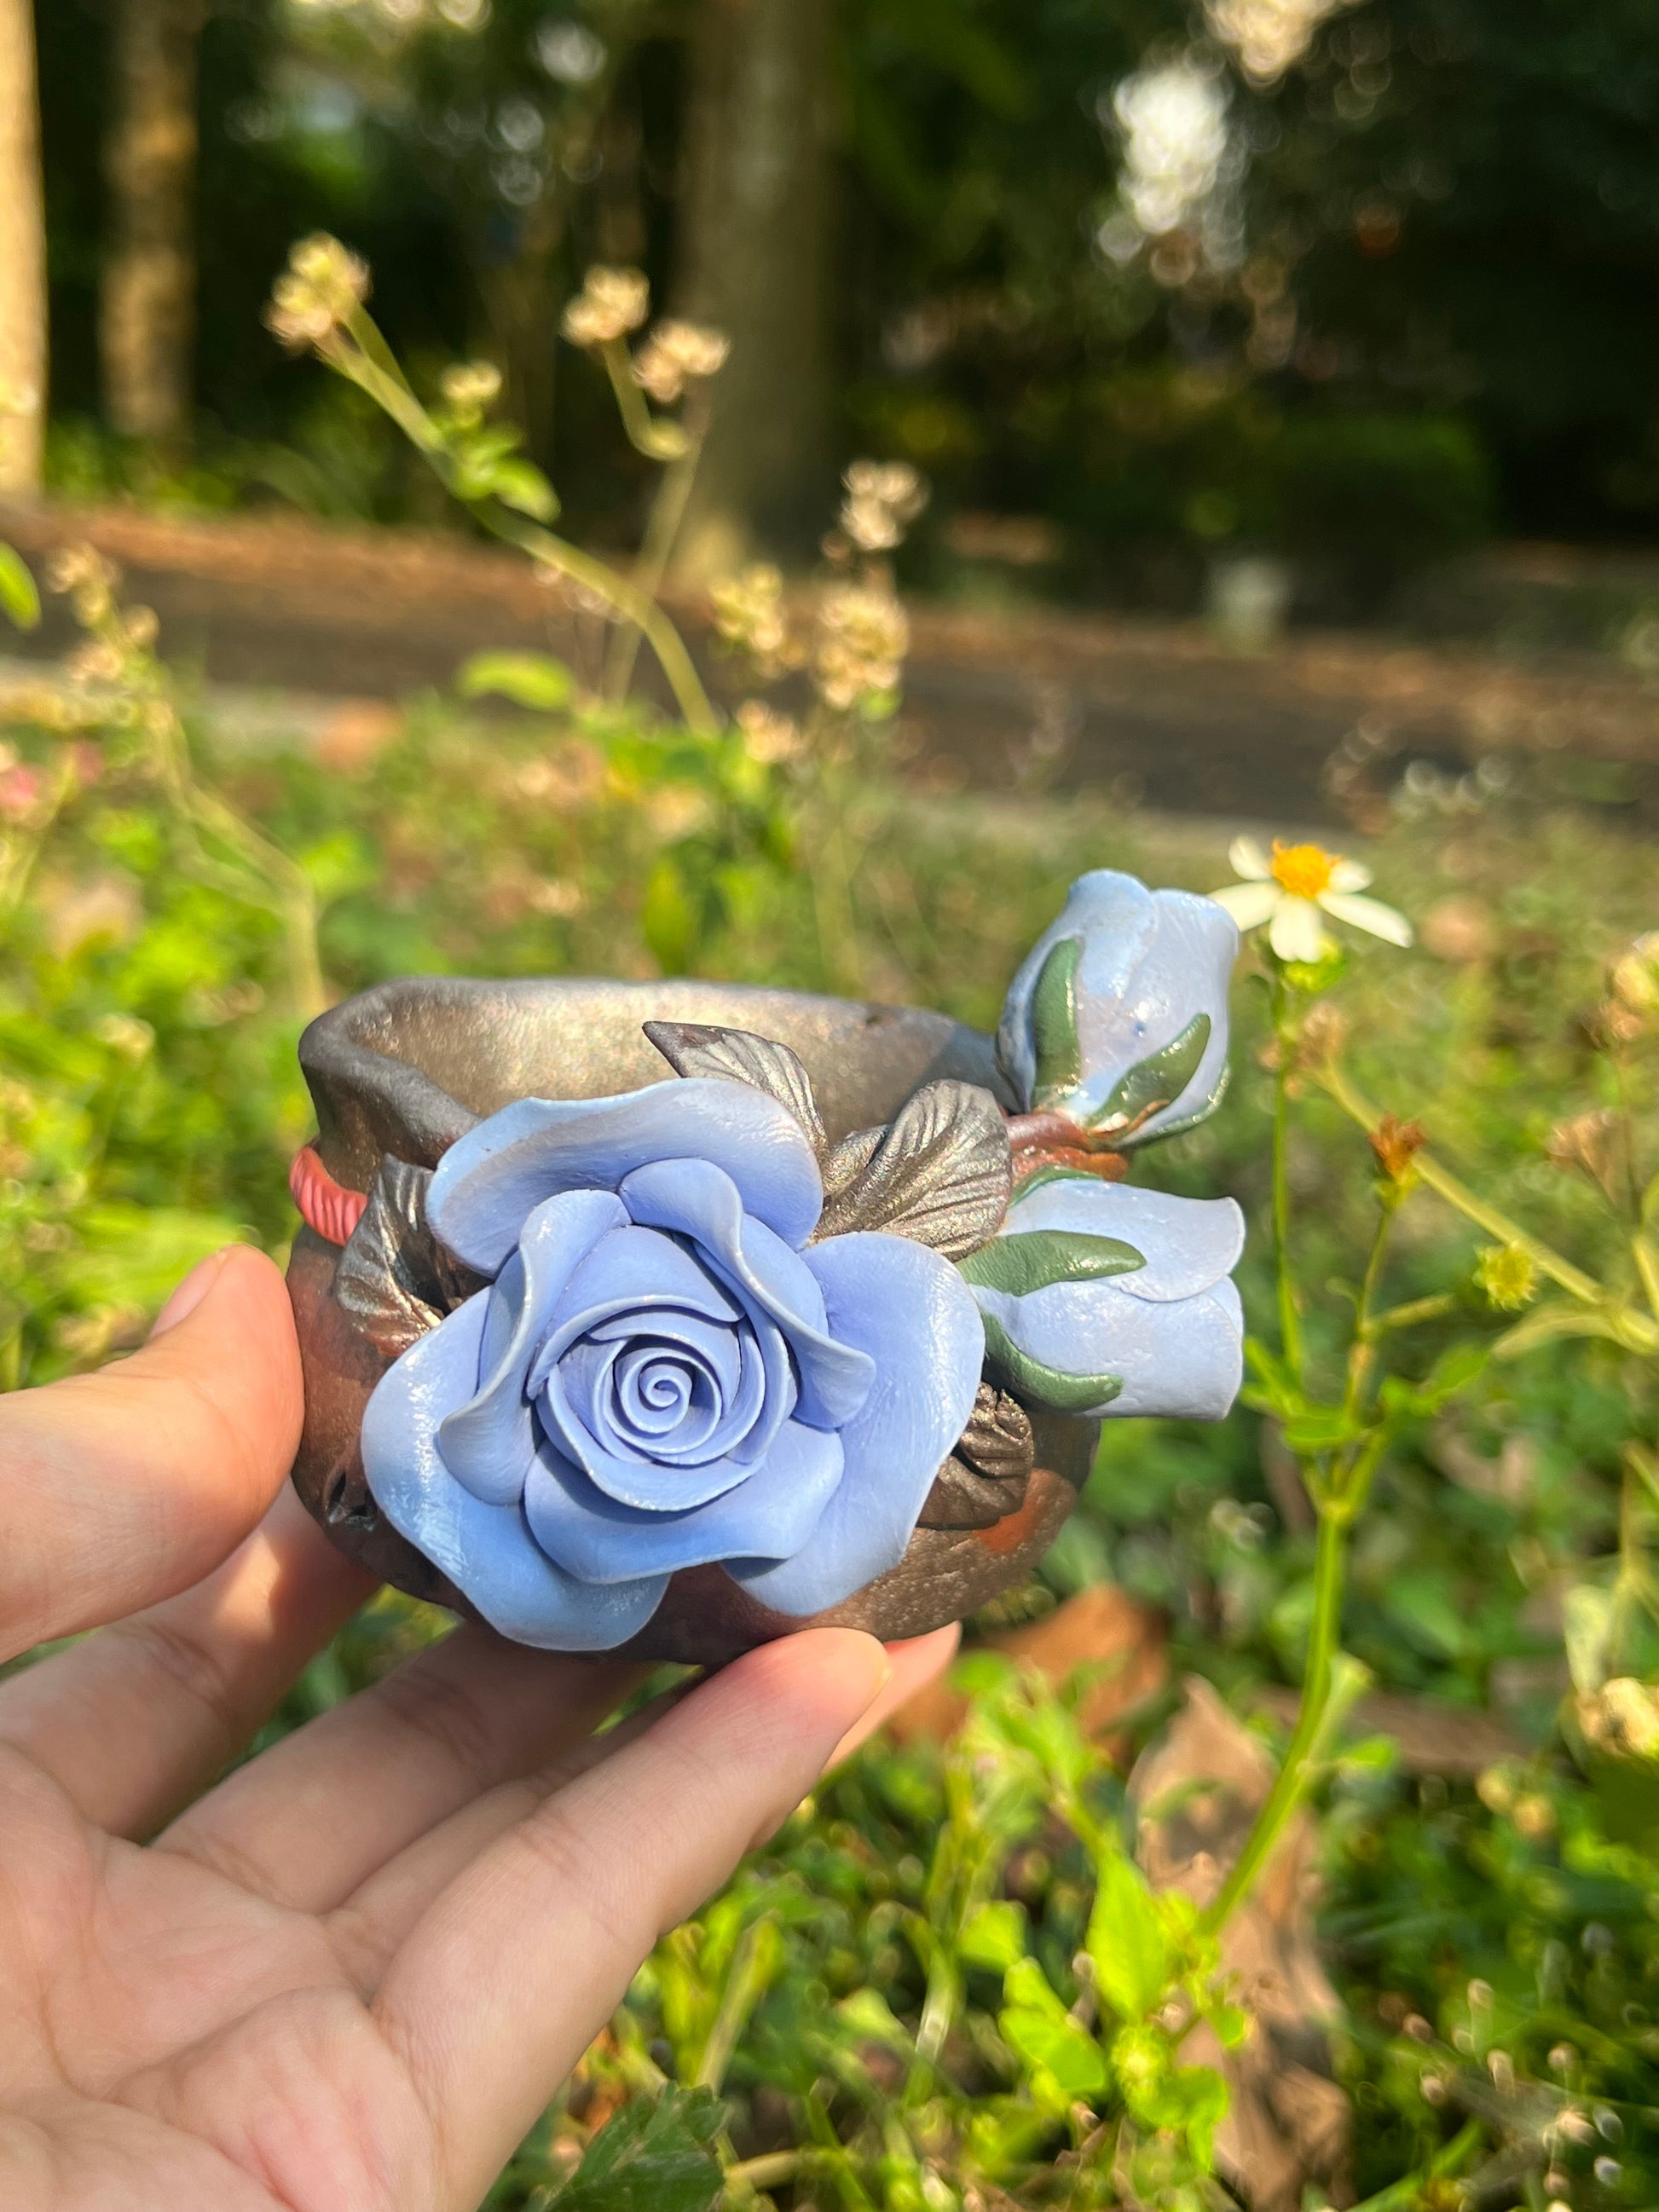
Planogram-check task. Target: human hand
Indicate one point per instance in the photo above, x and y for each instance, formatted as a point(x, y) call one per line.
point(348, 1978)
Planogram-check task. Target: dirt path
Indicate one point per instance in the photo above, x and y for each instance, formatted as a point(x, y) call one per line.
point(1158, 712)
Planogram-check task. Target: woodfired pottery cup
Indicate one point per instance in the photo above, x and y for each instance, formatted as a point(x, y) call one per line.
point(402, 1072)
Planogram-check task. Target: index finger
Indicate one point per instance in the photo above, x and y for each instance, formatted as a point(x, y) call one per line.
point(123, 1487)
point(525, 1955)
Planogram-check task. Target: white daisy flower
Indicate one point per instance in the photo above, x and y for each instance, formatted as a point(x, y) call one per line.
point(1289, 887)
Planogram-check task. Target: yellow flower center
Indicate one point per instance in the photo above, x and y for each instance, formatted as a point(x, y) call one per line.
point(1304, 870)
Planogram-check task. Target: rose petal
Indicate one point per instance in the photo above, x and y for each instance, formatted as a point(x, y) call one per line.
point(1189, 1243)
point(912, 1312)
point(617, 1464)
point(603, 1541)
point(634, 1283)
point(488, 1443)
point(695, 1199)
point(489, 1180)
point(486, 1551)
point(1182, 1359)
point(639, 1398)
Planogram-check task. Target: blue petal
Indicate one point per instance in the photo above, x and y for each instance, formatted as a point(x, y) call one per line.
point(774, 1509)
point(695, 1199)
point(912, 1312)
point(487, 1550)
point(1189, 1243)
point(636, 1271)
point(488, 1443)
point(1188, 971)
point(489, 1179)
point(1184, 1359)
point(624, 1470)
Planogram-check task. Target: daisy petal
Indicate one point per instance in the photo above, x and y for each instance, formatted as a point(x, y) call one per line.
point(1297, 933)
point(1246, 857)
point(1349, 875)
point(1249, 904)
point(1369, 915)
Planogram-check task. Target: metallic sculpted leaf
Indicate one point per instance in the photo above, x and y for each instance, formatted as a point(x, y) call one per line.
point(394, 1278)
point(941, 1173)
point(987, 1476)
point(699, 1048)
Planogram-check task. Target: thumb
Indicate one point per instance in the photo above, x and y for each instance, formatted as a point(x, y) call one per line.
point(121, 1488)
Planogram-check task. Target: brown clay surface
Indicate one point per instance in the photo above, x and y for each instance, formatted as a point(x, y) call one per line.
point(1154, 711)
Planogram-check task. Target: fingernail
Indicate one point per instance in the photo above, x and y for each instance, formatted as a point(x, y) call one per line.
point(190, 1293)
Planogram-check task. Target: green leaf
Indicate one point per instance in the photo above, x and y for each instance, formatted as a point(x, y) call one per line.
point(1159, 1079)
point(651, 2158)
point(868, 2014)
point(1054, 1025)
point(1037, 2026)
point(18, 595)
point(1040, 1385)
point(993, 1935)
point(1322, 1428)
point(1126, 1940)
point(1032, 1259)
point(536, 680)
point(521, 485)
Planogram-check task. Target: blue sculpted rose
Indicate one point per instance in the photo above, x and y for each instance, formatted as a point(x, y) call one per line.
point(662, 1371)
point(1118, 1015)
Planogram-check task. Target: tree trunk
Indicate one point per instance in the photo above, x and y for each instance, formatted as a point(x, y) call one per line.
point(147, 323)
point(754, 259)
point(23, 258)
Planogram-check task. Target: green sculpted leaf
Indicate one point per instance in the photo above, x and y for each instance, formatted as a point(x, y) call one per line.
point(1159, 1079)
point(1039, 1385)
point(1032, 1259)
point(1054, 1025)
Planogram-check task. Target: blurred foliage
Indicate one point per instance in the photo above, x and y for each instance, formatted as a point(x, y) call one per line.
point(1419, 280)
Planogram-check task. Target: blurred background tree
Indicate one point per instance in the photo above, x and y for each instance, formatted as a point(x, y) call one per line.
point(23, 258)
point(1351, 284)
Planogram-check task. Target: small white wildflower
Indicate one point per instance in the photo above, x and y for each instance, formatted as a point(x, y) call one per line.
point(1288, 887)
